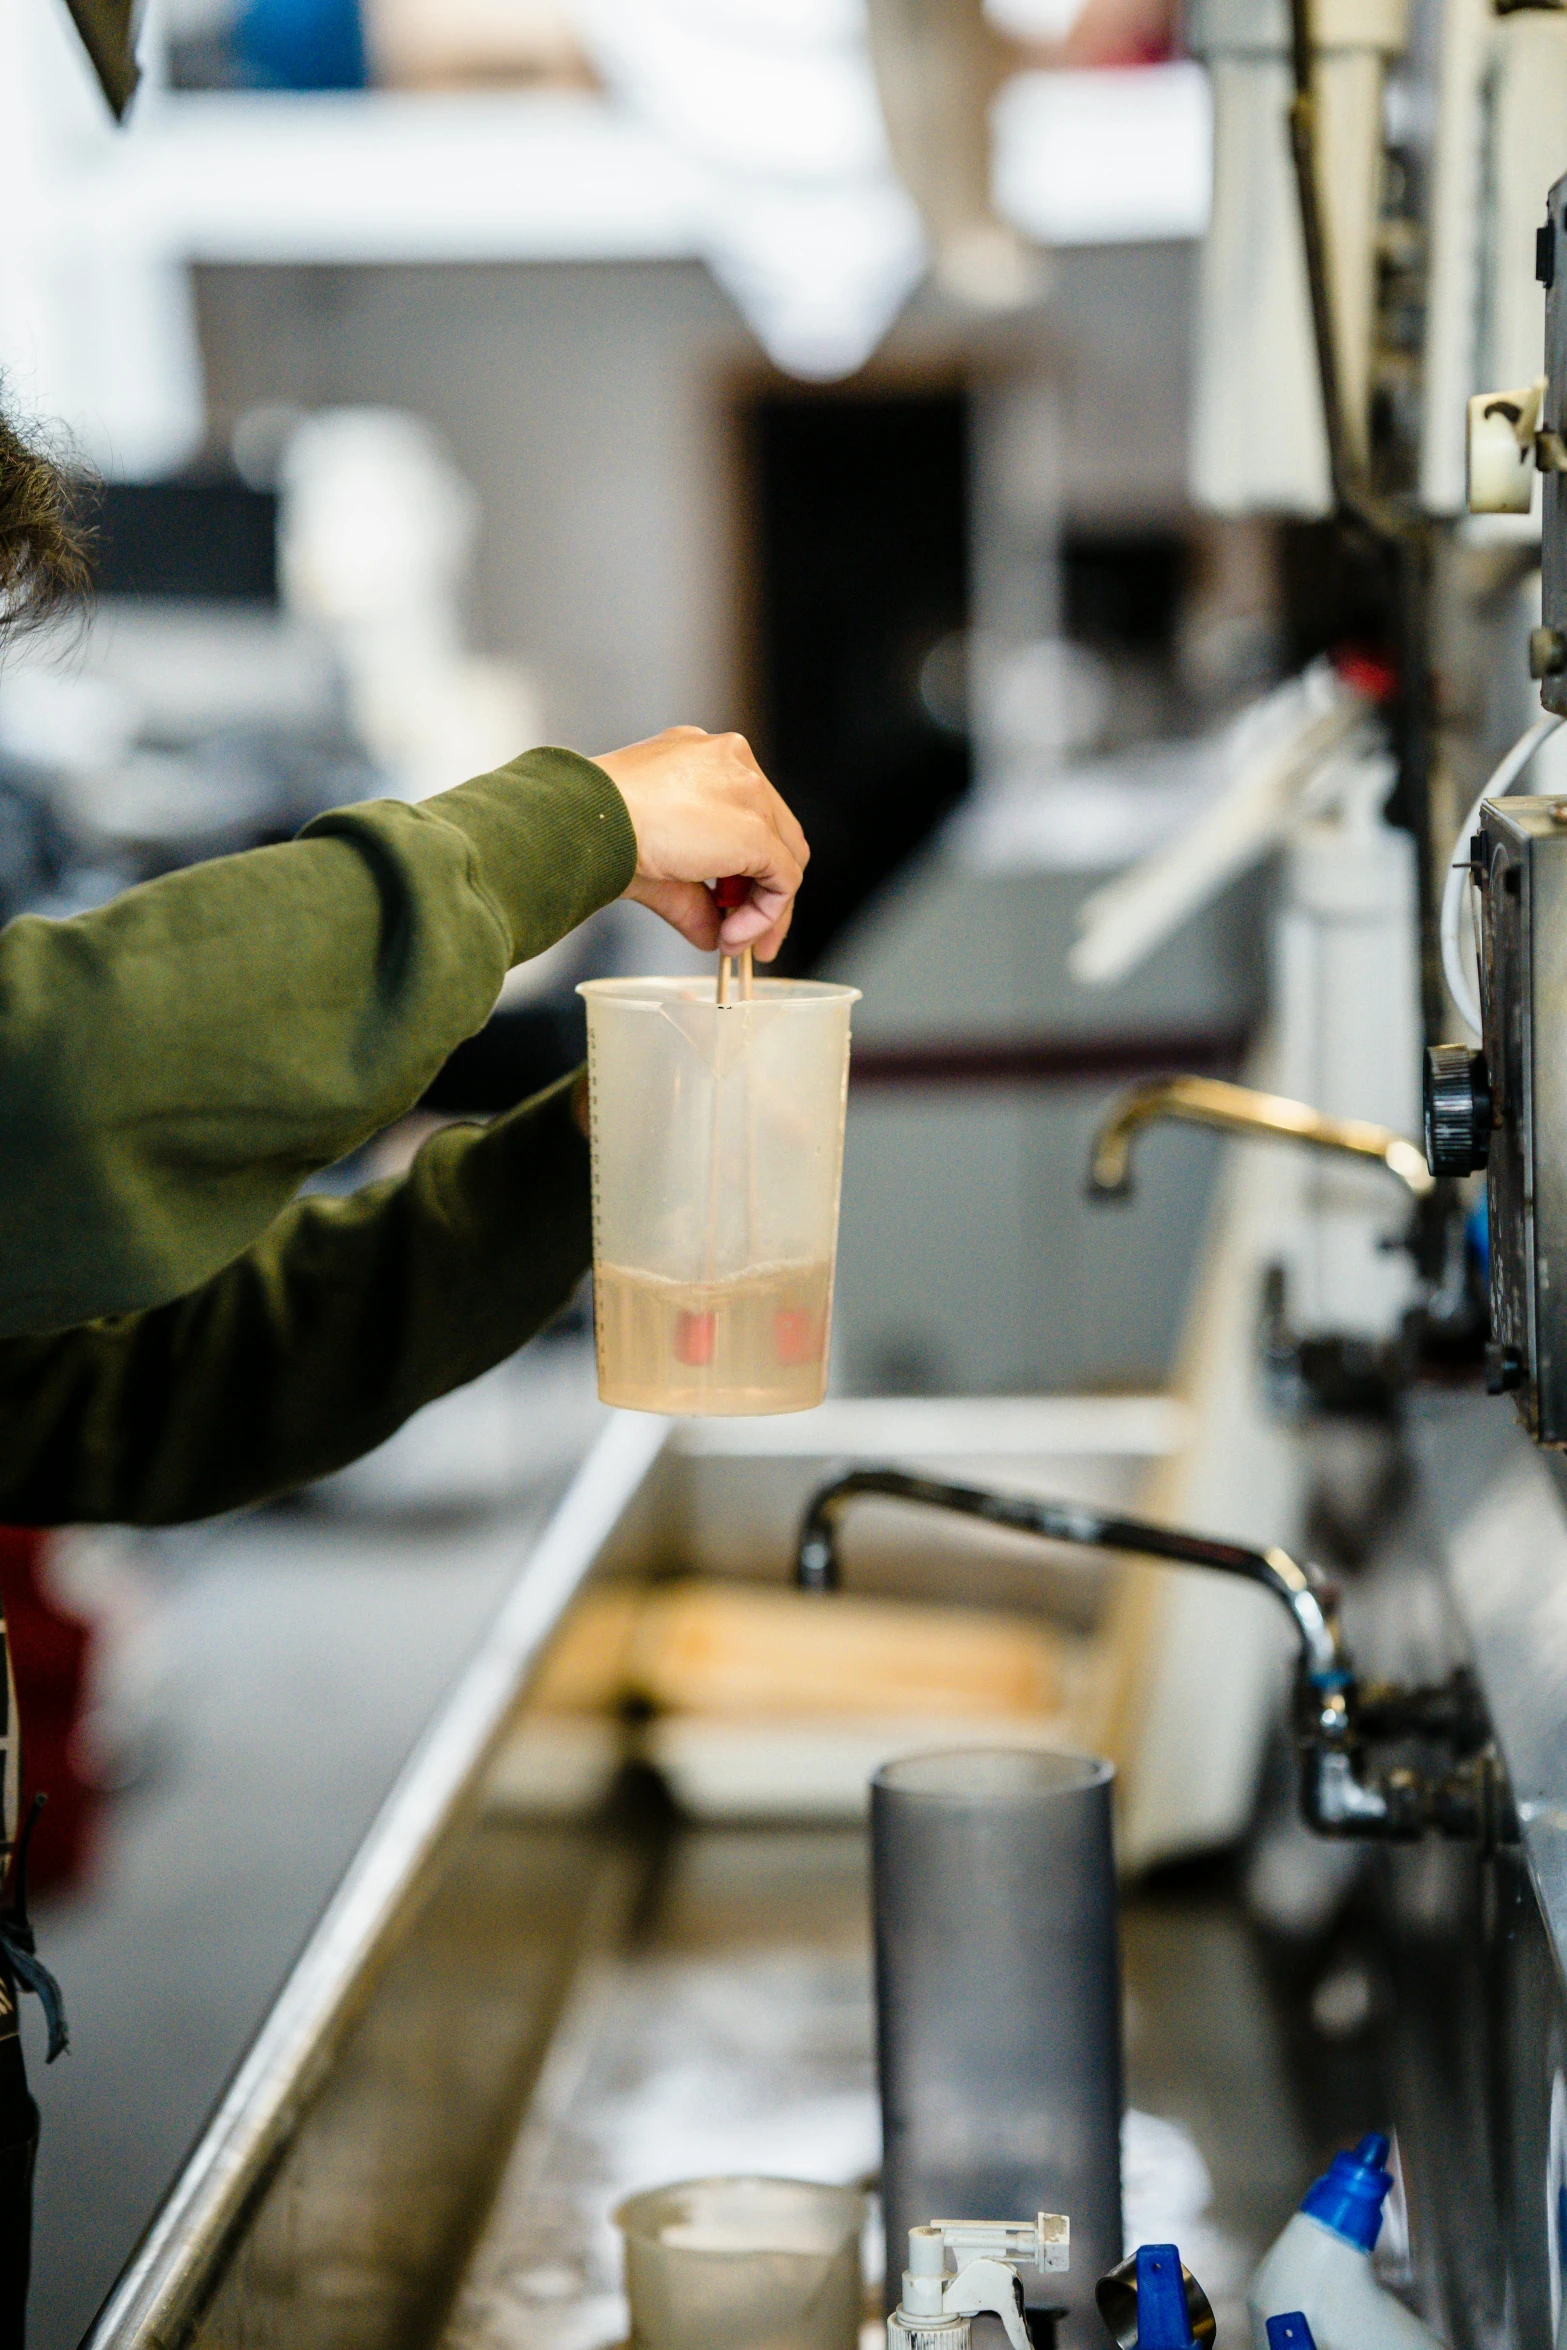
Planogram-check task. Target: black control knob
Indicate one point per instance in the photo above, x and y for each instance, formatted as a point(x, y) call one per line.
point(1458, 1109)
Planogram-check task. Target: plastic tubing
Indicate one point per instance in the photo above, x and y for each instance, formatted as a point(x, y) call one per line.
point(1496, 787)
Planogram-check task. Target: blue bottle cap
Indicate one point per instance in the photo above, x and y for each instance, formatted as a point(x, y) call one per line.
point(1348, 2198)
point(1290, 2332)
point(1163, 2322)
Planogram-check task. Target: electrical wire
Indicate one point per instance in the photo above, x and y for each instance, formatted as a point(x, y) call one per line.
point(1497, 786)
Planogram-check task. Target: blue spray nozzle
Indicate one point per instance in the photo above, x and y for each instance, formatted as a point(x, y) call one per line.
point(1150, 2302)
point(1163, 2322)
point(1290, 2331)
point(1349, 2196)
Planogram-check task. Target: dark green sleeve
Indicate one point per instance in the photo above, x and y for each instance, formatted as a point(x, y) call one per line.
point(174, 1065)
point(310, 1348)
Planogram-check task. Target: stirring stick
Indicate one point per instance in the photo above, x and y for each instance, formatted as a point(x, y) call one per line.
point(732, 891)
point(726, 967)
point(729, 893)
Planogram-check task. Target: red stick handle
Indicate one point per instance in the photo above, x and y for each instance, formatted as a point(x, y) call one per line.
point(732, 891)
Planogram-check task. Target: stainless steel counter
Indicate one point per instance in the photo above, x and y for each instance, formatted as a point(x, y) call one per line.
point(502, 2024)
point(337, 2189)
point(721, 2022)
point(237, 2221)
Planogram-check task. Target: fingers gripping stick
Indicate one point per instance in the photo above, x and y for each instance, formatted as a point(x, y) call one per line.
point(938, 2306)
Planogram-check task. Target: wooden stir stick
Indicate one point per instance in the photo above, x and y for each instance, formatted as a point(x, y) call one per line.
point(732, 891)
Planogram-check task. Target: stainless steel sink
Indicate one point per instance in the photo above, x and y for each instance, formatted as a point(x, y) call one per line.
point(502, 2023)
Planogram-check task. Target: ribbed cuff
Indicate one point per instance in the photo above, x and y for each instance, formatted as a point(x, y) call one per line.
point(554, 842)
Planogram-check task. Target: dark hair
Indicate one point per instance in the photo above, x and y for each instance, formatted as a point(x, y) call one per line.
point(46, 533)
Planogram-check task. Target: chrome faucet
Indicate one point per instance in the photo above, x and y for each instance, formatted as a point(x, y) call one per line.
point(1240, 1109)
point(1336, 1716)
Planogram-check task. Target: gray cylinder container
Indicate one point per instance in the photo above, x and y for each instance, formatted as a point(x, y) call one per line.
point(998, 1998)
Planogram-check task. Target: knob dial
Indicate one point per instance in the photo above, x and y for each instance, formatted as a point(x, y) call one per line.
point(1458, 1109)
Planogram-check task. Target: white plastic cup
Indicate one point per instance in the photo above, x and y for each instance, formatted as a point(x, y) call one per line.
point(717, 1158)
point(744, 2264)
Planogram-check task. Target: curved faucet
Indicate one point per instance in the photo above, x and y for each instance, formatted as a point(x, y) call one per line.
point(1240, 1109)
point(1308, 1595)
point(1334, 1717)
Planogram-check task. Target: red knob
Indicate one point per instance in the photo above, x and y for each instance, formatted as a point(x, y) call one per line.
point(732, 891)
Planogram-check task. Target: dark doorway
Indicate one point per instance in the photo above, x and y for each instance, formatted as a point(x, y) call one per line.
point(202, 535)
point(860, 502)
point(1121, 591)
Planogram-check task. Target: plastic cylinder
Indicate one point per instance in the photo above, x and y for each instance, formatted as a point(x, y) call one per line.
point(998, 1993)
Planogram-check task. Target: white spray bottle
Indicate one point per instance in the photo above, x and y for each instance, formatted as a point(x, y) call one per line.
point(939, 2305)
point(1321, 2265)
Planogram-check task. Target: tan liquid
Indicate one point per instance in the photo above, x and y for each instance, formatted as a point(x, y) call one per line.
point(758, 1344)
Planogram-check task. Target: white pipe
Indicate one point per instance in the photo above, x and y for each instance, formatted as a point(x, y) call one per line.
point(1455, 232)
point(1496, 787)
point(1279, 752)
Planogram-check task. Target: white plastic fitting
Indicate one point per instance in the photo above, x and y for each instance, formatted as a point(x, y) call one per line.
point(938, 2306)
point(1502, 434)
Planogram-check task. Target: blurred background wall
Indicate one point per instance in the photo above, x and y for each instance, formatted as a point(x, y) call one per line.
point(618, 426)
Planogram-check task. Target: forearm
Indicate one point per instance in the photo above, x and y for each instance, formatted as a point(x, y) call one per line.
point(315, 1345)
point(173, 1066)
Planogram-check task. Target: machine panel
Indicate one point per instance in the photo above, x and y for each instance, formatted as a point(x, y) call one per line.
point(1550, 662)
point(1521, 853)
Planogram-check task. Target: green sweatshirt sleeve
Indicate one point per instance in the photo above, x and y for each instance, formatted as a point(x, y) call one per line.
point(313, 1345)
point(174, 1065)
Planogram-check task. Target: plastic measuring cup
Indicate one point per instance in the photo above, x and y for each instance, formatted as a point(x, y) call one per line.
point(717, 1154)
point(744, 2264)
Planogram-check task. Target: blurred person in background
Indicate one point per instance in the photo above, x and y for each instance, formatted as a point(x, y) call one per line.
point(180, 1334)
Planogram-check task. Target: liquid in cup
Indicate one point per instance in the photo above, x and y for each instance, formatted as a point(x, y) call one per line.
point(717, 1155)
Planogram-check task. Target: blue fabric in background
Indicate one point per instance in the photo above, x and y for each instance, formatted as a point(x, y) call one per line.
point(302, 45)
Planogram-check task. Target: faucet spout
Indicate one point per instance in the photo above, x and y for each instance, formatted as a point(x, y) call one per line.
point(1308, 1595)
point(1240, 1109)
point(1334, 1719)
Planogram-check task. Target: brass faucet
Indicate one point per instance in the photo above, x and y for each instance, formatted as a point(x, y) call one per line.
point(1240, 1109)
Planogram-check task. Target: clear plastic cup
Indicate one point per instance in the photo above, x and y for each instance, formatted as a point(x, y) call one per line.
point(744, 2264)
point(717, 1155)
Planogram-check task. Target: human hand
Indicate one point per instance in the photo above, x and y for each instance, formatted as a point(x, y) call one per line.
point(702, 809)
